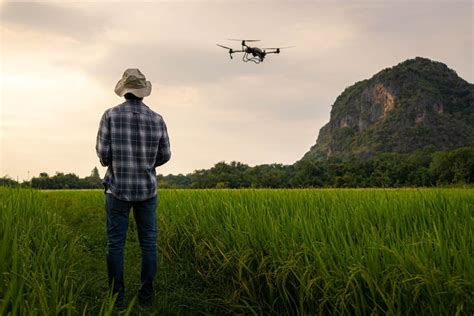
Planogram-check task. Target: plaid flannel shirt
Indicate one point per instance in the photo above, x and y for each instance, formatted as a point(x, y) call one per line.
point(132, 141)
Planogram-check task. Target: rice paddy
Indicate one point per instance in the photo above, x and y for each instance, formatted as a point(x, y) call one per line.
point(252, 252)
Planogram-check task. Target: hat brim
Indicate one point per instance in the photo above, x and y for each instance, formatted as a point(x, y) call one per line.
point(120, 90)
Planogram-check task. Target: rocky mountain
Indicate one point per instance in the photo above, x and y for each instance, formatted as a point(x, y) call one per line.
point(416, 103)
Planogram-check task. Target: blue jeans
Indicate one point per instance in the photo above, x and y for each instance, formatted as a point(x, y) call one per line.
point(117, 223)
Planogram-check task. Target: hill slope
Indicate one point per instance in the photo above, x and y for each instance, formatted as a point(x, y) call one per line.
point(416, 103)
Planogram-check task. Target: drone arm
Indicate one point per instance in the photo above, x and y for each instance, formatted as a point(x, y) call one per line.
point(234, 51)
point(274, 52)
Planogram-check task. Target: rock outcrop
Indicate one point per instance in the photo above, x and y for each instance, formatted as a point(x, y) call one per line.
point(416, 103)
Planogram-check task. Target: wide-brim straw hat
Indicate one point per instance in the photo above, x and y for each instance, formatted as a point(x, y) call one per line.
point(133, 81)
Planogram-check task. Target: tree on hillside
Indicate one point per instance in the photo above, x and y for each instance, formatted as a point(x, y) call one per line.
point(95, 173)
point(93, 181)
point(455, 166)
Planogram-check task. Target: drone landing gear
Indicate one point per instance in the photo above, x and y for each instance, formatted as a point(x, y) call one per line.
point(256, 60)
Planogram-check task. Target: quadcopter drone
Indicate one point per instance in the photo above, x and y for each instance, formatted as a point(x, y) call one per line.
point(257, 54)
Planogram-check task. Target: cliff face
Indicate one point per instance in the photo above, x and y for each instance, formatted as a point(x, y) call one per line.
point(414, 104)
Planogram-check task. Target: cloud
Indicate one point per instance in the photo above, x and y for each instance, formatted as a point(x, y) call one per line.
point(66, 21)
point(175, 43)
point(176, 63)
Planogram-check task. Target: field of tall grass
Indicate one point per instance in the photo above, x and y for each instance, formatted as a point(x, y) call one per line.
point(261, 252)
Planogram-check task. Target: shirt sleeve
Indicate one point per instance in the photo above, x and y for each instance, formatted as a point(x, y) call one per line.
point(102, 146)
point(164, 149)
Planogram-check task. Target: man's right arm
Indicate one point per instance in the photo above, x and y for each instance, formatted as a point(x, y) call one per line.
point(103, 141)
point(164, 149)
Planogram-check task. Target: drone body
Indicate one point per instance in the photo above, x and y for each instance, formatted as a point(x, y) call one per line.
point(253, 54)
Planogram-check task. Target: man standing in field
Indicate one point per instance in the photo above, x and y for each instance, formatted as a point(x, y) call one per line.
point(132, 141)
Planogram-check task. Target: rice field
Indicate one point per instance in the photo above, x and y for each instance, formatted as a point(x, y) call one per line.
point(251, 252)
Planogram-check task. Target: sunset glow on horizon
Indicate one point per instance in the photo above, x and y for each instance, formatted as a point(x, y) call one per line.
point(60, 62)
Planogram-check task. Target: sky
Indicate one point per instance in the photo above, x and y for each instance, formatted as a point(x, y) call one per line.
point(60, 61)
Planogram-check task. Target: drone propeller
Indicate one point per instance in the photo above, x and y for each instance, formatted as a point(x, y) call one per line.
point(236, 39)
point(224, 46)
point(278, 47)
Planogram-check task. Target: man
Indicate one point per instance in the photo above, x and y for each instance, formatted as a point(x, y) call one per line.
point(132, 141)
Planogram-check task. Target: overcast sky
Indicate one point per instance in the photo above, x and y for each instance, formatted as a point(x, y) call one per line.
point(60, 62)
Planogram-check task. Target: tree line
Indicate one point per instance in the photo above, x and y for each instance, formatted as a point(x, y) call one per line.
point(58, 181)
point(425, 167)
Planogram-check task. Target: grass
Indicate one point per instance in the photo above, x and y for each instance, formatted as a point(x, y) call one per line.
point(285, 252)
point(37, 269)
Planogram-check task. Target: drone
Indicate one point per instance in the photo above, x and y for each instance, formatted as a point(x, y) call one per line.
point(253, 54)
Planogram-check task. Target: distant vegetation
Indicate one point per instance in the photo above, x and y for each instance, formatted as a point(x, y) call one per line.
point(58, 181)
point(425, 167)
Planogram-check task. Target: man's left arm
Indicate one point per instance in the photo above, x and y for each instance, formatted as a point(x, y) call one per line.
point(103, 141)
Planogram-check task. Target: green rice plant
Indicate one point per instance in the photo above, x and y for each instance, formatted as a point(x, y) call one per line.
point(327, 251)
point(260, 252)
point(37, 265)
point(40, 266)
